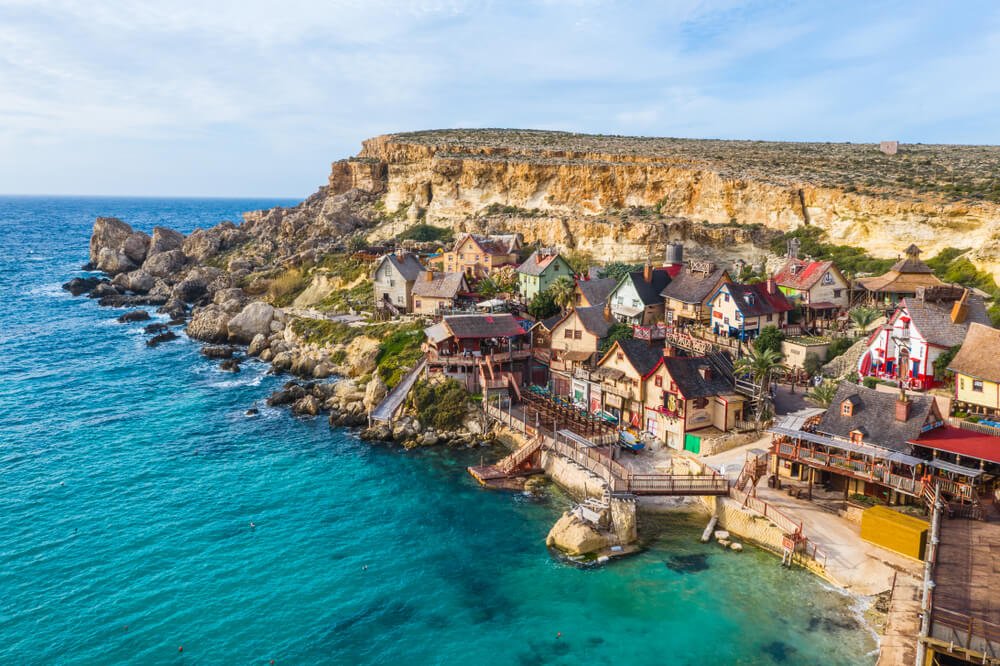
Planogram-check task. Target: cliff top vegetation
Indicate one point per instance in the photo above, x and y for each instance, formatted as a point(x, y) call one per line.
point(948, 172)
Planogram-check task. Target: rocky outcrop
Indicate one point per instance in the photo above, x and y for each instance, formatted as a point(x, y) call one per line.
point(79, 286)
point(165, 264)
point(165, 240)
point(209, 323)
point(255, 319)
point(576, 537)
point(138, 282)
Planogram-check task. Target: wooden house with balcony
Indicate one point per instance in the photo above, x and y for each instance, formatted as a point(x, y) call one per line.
point(434, 293)
point(393, 278)
point(742, 311)
point(687, 398)
point(688, 297)
point(977, 371)
point(466, 346)
point(901, 281)
point(817, 288)
point(636, 298)
point(922, 327)
point(575, 343)
point(477, 255)
point(616, 386)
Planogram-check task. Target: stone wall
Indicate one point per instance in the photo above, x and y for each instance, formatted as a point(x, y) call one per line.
point(577, 481)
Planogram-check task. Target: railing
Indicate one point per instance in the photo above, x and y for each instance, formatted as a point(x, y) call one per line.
point(784, 523)
point(677, 484)
point(471, 358)
point(515, 459)
point(857, 468)
point(963, 628)
point(981, 428)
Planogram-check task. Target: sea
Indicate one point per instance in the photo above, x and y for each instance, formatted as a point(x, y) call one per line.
point(145, 519)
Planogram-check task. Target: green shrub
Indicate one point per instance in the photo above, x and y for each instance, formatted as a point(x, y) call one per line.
point(441, 405)
point(398, 352)
point(618, 331)
point(870, 382)
point(427, 233)
point(837, 347)
point(323, 332)
point(769, 338)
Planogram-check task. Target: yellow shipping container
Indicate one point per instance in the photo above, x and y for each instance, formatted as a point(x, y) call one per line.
point(895, 531)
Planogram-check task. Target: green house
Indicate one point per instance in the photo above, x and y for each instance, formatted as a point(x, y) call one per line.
point(539, 271)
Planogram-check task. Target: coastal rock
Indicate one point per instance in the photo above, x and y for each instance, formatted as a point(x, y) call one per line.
point(218, 351)
point(209, 324)
point(230, 365)
point(135, 247)
point(255, 319)
point(281, 362)
point(322, 370)
point(575, 537)
point(138, 281)
point(232, 299)
point(307, 406)
point(164, 240)
point(287, 395)
point(109, 234)
point(105, 288)
point(78, 286)
point(201, 245)
point(360, 356)
point(135, 315)
point(153, 329)
point(162, 337)
point(165, 264)
point(375, 392)
point(114, 262)
point(175, 309)
point(189, 290)
point(257, 345)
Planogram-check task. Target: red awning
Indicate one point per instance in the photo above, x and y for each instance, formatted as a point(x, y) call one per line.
point(966, 443)
point(866, 364)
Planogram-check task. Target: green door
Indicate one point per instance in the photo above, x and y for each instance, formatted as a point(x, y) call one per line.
point(692, 443)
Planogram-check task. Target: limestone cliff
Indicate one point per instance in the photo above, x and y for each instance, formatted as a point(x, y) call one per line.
point(623, 197)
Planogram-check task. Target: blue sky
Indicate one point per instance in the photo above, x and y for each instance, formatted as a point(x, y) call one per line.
point(234, 98)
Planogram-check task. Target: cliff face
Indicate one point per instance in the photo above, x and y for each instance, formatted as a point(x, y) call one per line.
point(550, 187)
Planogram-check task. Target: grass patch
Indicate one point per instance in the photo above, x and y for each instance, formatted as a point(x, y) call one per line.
point(283, 288)
point(325, 333)
point(398, 352)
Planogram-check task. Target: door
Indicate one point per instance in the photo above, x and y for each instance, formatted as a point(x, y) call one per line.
point(692, 443)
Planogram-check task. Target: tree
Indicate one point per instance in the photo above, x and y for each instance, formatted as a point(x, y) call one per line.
point(822, 395)
point(812, 364)
point(505, 279)
point(864, 317)
point(618, 331)
point(761, 365)
point(357, 243)
point(563, 290)
point(942, 362)
point(618, 270)
point(579, 260)
point(543, 305)
point(769, 338)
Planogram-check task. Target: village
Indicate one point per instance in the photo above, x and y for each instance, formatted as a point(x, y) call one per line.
point(849, 424)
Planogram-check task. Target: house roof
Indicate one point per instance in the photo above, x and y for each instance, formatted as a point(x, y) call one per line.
point(685, 371)
point(441, 285)
point(592, 319)
point(874, 415)
point(694, 286)
point(904, 277)
point(539, 262)
point(597, 291)
point(483, 326)
point(495, 244)
point(966, 443)
point(753, 300)
point(551, 322)
point(802, 274)
point(979, 356)
point(933, 319)
point(649, 292)
point(642, 356)
point(407, 264)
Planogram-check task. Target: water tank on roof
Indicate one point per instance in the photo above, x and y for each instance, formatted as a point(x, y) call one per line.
point(675, 254)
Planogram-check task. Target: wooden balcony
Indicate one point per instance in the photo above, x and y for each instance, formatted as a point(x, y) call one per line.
point(475, 358)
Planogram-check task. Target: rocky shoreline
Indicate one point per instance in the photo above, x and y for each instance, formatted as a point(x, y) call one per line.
point(183, 279)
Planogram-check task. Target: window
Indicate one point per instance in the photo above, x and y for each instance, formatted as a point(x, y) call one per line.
point(837, 293)
point(659, 380)
point(856, 437)
point(770, 317)
point(700, 403)
point(846, 408)
point(392, 283)
point(386, 272)
point(635, 302)
point(416, 304)
point(961, 383)
point(577, 335)
point(726, 297)
point(673, 387)
point(977, 385)
point(568, 334)
point(620, 356)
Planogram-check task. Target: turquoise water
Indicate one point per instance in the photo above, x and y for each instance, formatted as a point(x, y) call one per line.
point(129, 477)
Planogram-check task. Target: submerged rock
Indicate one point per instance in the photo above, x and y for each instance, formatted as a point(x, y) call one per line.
point(230, 365)
point(218, 351)
point(78, 286)
point(162, 337)
point(152, 329)
point(135, 315)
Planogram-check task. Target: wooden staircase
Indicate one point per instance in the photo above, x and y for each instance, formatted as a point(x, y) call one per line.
point(510, 463)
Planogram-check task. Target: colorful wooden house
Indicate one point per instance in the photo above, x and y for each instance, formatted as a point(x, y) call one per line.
point(437, 292)
point(636, 298)
point(593, 291)
point(539, 271)
point(477, 255)
point(687, 299)
point(817, 287)
point(619, 380)
point(921, 329)
point(744, 310)
point(393, 277)
point(901, 281)
point(977, 371)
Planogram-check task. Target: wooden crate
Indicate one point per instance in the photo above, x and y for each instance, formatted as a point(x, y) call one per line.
point(895, 531)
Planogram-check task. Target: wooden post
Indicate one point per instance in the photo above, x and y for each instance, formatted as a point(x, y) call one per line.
point(811, 474)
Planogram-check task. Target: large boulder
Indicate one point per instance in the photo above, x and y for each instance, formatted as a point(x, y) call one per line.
point(575, 537)
point(202, 244)
point(255, 319)
point(164, 240)
point(136, 246)
point(208, 324)
point(307, 406)
point(257, 345)
point(189, 290)
point(375, 392)
point(113, 261)
point(109, 233)
point(138, 282)
point(165, 264)
point(78, 286)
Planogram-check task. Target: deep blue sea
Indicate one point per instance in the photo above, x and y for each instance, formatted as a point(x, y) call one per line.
point(129, 477)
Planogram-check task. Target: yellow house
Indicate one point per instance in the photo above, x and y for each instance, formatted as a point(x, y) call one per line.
point(437, 292)
point(977, 371)
point(477, 255)
point(577, 336)
point(621, 373)
point(688, 297)
point(685, 399)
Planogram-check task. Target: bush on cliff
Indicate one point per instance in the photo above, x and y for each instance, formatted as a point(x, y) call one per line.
point(427, 233)
point(399, 352)
point(441, 405)
point(850, 260)
point(283, 288)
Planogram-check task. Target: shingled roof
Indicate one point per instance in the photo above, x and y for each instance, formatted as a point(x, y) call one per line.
point(407, 264)
point(694, 286)
point(649, 292)
point(592, 319)
point(441, 285)
point(979, 356)
point(874, 415)
point(495, 244)
point(483, 326)
point(685, 371)
point(933, 319)
point(754, 300)
point(643, 356)
point(802, 274)
point(905, 276)
point(597, 291)
point(538, 262)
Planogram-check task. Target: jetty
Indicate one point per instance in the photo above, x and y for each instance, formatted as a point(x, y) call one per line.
point(394, 400)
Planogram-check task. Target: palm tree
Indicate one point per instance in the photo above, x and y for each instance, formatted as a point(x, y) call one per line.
point(864, 317)
point(822, 395)
point(563, 290)
point(761, 366)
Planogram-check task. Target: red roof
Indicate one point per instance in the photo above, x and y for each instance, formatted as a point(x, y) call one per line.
point(966, 443)
point(804, 275)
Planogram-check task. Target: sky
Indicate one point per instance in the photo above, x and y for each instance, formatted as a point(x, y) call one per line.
point(247, 98)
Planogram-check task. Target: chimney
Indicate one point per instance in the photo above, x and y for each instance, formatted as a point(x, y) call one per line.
point(647, 273)
point(668, 351)
point(771, 288)
point(607, 311)
point(902, 406)
point(430, 276)
point(960, 310)
point(675, 254)
point(705, 372)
